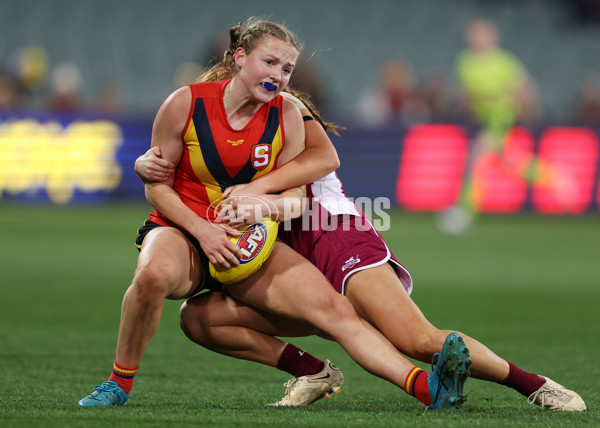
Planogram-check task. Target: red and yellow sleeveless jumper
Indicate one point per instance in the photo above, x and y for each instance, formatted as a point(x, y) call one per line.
point(216, 156)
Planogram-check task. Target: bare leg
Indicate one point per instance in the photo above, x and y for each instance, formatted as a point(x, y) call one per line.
point(220, 323)
point(378, 297)
point(289, 286)
point(168, 267)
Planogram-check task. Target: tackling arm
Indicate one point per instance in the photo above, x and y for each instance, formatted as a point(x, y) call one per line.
point(318, 159)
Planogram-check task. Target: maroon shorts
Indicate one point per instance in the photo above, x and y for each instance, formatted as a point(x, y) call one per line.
point(347, 249)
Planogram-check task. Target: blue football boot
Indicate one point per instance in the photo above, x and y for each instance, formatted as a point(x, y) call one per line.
point(448, 374)
point(107, 394)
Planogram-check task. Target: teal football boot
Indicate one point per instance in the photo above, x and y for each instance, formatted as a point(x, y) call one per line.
point(448, 374)
point(107, 394)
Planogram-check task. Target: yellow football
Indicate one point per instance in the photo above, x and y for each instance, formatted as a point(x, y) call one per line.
point(256, 243)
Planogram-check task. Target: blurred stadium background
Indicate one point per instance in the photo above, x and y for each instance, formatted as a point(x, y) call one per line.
point(81, 81)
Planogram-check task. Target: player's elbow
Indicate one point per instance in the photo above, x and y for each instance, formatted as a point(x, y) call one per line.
point(138, 170)
point(333, 161)
point(328, 162)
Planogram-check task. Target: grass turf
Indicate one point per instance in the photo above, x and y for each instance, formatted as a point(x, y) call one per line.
point(527, 286)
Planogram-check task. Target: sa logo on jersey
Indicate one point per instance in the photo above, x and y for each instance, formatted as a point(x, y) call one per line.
point(252, 241)
point(261, 156)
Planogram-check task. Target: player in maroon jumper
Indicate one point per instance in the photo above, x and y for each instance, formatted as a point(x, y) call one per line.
point(374, 273)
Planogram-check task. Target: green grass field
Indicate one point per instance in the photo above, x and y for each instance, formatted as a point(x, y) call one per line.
point(527, 286)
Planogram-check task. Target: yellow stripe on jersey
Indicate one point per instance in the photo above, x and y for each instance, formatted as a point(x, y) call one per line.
point(213, 190)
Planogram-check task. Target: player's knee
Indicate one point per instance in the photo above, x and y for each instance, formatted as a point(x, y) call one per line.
point(154, 280)
point(339, 311)
point(187, 321)
point(194, 323)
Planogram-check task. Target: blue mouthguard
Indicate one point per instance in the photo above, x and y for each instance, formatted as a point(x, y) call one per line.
point(268, 86)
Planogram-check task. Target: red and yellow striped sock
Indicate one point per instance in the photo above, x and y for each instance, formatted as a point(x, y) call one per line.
point(417, 386)
point(123, 376)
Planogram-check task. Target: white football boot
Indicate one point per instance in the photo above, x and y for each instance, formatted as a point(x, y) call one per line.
point(553, 396)
point(305, 390)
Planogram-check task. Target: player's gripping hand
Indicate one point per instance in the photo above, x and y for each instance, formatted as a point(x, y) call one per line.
point(238, 211)
point(221, 252)
point(152, 168)
point(253, 188)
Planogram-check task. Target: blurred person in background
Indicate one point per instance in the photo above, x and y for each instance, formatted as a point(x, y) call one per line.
point(66, 82)
point(110, 98)
point(27, 69)
point(394, 100)
point(587, 102)
point(498, 93)
point(434, 92)
point(10, 98)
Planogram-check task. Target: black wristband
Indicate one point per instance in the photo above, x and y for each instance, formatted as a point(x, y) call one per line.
point(305, 118)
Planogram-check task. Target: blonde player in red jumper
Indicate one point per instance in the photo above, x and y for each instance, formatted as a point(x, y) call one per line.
point(221, 133)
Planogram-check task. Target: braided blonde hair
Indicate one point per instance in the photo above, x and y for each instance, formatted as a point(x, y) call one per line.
point(246, 35)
